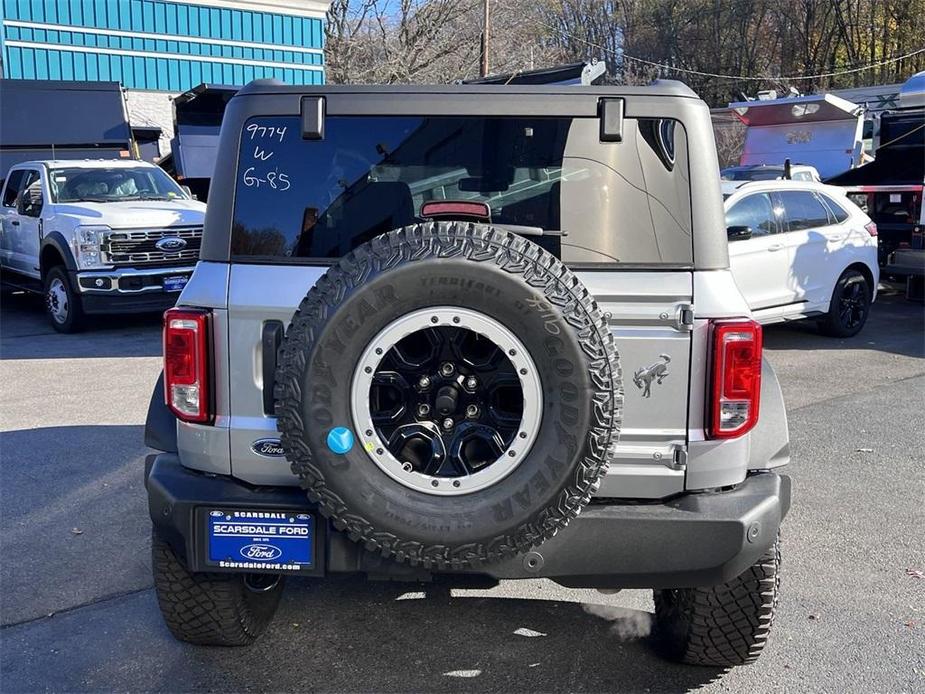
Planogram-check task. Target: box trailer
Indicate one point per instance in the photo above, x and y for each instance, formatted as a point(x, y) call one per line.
point(47, 119)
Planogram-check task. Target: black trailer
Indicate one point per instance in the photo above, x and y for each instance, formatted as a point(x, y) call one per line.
point(197, 118)
point(47, 119)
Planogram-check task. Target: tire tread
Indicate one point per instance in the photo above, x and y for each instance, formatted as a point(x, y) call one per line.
point(724, 625)
point(512, 254)
point(207, 608)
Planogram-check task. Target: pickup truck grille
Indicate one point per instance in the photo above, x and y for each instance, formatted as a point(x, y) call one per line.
point(139, 247)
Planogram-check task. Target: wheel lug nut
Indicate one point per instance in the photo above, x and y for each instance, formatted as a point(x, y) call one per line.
point(423, 409)
point(472, 411)
point(448, 423)
point(447, 369)
point(424, 382)
point(472, 383)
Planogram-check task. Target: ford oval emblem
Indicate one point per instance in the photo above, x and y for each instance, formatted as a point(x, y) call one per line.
point(170, 243)
point(260, 552)
point(271, 448)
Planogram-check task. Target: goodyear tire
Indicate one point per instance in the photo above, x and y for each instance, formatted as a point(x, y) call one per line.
point(212, 609)
point(482, 491)
point(724, 625)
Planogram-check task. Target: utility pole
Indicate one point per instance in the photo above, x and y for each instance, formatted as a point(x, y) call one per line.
point(483, 70)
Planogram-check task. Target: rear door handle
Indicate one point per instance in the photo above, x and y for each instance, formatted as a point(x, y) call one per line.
point(14, 222)
point(775, 247)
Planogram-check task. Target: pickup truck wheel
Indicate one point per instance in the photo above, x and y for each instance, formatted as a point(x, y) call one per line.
point(449, 394)
point(849, 307)
point(211, 609)
point(724, 625)
point(62, 303)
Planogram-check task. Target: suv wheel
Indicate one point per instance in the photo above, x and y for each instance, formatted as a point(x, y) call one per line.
point(212, 609)
point(449, 394)
point(849, 307)
point(61, 302)
point(724, 625)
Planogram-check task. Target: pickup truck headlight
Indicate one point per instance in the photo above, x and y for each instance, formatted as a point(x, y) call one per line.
point(87, 242)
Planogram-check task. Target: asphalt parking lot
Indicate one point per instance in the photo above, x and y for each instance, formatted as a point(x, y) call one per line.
point(79, 612)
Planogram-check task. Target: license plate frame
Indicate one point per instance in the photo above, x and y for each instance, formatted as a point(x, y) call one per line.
point(252, 540)
point(174, 283)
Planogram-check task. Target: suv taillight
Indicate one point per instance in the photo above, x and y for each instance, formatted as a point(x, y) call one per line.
point(186, 364)
point(871, 228)
point(736, 391)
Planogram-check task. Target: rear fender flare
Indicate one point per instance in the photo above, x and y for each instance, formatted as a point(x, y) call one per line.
point(770, 439)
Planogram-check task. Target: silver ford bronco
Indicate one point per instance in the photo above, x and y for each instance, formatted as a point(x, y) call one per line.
point(468, 331)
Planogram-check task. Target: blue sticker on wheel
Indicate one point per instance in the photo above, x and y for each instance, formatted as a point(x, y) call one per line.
point(261, 540)
point(340, 440)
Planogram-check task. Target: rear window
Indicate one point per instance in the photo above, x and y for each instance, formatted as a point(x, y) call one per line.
point(316, 200)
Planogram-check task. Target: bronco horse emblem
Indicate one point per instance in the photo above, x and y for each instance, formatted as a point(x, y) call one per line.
point(657, 372)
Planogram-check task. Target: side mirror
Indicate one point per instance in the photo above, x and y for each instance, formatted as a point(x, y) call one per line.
point(189, 192)
point(738, 233)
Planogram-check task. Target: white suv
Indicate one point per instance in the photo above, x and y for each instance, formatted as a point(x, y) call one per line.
point(800, 250)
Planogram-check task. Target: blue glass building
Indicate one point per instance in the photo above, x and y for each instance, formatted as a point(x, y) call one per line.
point(157, 49)
point(165, 46)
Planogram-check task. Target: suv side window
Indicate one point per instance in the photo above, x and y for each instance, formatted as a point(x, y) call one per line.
point(838, 212)
point(754, 211)
point(804, 210)
point(13, 186)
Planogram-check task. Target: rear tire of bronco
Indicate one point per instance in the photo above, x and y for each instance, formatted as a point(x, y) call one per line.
point(724, 625)
point(210, 609)
point(449, 394)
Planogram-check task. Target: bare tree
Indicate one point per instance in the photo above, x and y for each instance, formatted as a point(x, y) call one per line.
point(710, 44)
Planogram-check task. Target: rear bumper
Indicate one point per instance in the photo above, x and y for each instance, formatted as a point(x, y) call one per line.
point(692, 540)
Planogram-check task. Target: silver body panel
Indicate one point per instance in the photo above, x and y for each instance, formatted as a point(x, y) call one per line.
point(663, 448)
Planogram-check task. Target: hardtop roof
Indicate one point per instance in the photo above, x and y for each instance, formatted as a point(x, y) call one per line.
point(665, 88)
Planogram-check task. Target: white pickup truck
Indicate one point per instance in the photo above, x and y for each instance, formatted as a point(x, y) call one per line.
point(101, 236)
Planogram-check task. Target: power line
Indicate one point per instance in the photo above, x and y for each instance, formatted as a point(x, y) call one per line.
point(774, 78)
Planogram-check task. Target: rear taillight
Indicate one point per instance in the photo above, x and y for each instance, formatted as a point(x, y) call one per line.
point(736, 391)
point(186, 364)
point(871, 228)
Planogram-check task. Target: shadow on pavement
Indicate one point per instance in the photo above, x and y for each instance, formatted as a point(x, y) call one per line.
point(352, 636)
point(73, 517)
point(895, 325)
point(26, 333)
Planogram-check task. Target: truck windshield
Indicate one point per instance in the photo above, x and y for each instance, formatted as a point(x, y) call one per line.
point(115, 184)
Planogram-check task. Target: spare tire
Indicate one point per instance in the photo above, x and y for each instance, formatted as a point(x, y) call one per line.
point(449, 394)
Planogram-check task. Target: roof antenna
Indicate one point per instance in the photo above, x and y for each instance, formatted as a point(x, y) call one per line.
point(787, 175)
